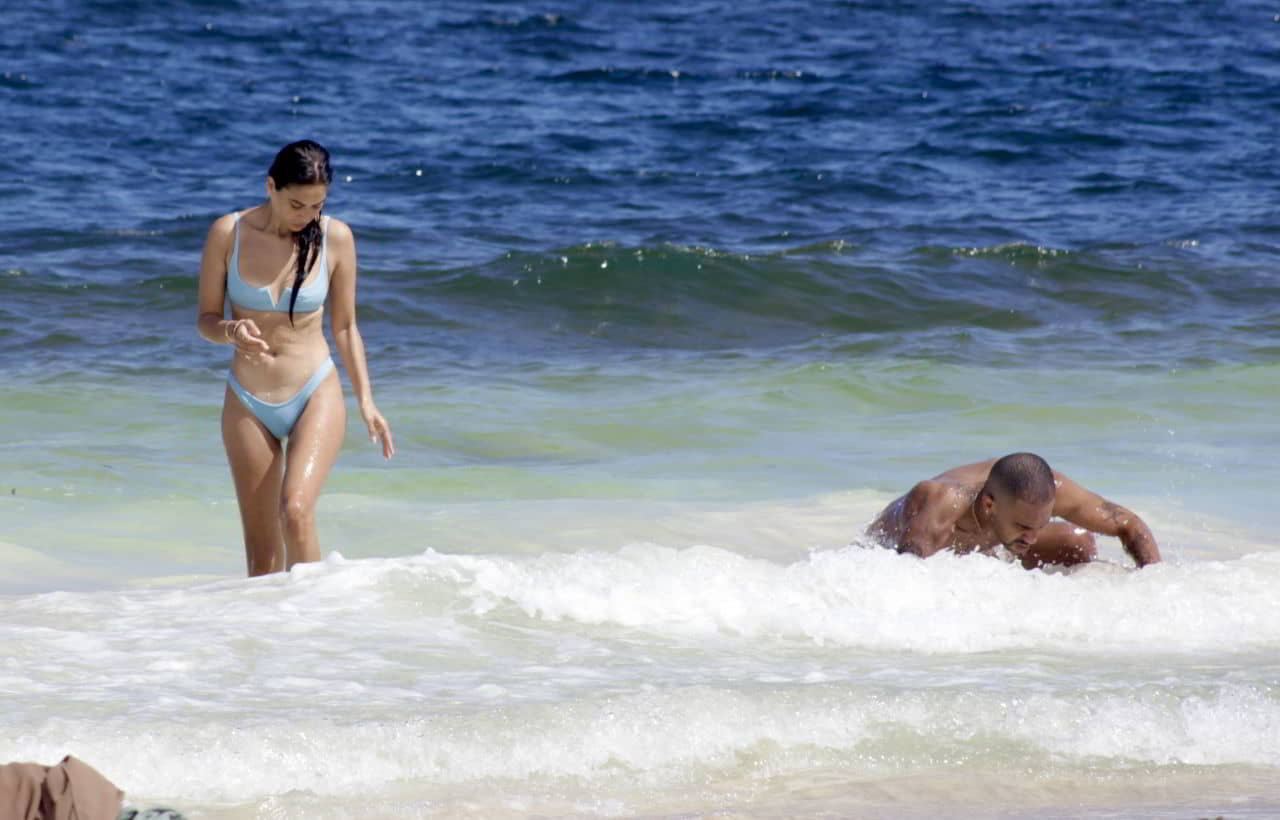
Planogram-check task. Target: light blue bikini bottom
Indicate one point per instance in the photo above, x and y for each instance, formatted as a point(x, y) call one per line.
point(280, 418)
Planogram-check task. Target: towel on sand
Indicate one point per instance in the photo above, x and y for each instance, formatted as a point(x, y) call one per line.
point(71, 790)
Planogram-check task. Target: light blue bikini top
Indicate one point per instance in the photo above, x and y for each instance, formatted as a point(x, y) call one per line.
point(311, 295)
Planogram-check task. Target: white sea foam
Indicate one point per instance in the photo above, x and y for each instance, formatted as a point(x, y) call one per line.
point(852, 597)
point(876, 599)
point(667, 738)
point(647, 667)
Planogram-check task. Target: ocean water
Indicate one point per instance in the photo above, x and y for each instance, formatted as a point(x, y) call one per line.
point(664, 301)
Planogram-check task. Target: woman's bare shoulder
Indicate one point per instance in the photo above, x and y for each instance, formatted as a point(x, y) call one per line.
point(224, 226)
point(339, 231)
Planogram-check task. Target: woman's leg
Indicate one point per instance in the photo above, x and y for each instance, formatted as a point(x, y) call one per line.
point(313, 448)
point(257, 467)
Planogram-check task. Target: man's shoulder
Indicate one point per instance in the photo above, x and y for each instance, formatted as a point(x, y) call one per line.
point(938, 502)
point(937, 490)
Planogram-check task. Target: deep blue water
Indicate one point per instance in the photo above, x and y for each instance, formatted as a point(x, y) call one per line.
point(975, 181)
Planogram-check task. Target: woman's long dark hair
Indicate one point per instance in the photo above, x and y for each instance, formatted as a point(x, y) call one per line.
point(304, 162)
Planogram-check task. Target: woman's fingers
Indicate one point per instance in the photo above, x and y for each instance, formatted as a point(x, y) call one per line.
point(380, 431)
point(255, 336)
point(248, 338)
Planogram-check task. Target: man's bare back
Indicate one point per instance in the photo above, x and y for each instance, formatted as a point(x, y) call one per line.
point(969, 508)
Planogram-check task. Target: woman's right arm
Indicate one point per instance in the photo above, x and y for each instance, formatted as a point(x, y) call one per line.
point(213, 283)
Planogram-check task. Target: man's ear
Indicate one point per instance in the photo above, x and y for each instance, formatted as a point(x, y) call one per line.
point(987, 500)
point(271, 185)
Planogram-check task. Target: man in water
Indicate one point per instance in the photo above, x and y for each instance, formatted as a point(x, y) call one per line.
point(1008, 502)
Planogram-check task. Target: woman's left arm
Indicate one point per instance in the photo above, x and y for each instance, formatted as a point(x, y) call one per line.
point(342, 316)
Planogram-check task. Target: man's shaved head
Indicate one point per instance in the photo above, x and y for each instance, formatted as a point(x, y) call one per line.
point(1024, 476)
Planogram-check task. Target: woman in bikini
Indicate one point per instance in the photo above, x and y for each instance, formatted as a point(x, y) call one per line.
point(278, 264)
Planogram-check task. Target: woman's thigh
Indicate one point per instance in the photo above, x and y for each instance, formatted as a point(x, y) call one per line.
point(314, 444)
point(257, 468)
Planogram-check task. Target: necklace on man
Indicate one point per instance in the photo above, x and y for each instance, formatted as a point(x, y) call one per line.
point(973, 511)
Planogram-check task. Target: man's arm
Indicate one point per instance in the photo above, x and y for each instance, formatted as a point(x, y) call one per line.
point(1087, 509)
point(928, 519)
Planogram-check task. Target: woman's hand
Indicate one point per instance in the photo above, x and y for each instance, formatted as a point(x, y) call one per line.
point(379, 430)
point(244, 334)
